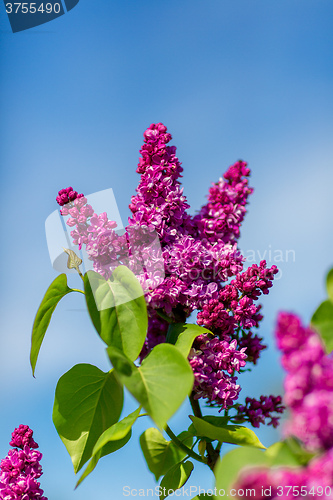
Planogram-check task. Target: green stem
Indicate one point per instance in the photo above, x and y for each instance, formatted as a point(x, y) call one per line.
point(218, 448)
point(212, 454)
point(78, 290)
point(183, 447)
point(80, 274)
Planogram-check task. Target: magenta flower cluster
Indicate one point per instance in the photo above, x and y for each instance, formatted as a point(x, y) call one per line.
point(21, 468)
point(191, 267)
point(309, 395)
point(67, 195)
point(253, 344)
point(209, 361)
point(221, 217)
point(308, 383)
point(257, 411)
point(160, 201)
point(234, 313)
point(313, 481)
point(235, 304)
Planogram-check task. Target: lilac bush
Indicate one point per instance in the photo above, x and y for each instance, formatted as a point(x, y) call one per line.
point(184, 313)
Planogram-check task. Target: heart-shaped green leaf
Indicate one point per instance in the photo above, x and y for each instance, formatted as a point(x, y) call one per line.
point(182, 335)
point(118, 309)
point(322, 321)
point(56, 291)
point(234, 434)
point(161, 454)
point(153, 383)
point(87, 402)
point(175, 478)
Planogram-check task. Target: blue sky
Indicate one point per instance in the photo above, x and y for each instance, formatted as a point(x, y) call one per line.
point(249, 79)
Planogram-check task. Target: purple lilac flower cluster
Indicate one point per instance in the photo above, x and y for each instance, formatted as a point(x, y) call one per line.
point(67, 195)
point(257, 411)
point(221, 217)
point(194, 266)
point(253, 344)
point(197, 257)
point(231, 316)
point(21, 468)
point(313, 481)
point(160, 201)
point(308, 383)
point(235, 304)
point(308, 394)
point(209, 361)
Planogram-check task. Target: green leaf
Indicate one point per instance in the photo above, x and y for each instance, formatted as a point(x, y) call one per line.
point(111, 440)
point(153, 383)
point(182, 336)
point(216, 421)
point(228, 468)
point(161, 454)
point(329, 284)
point(202, 447)
point(111, 447)
point(87, 402)
point(322, 321)
point(303, 456)
point(117, 431)
point(56, 291)
point(280, 454)
point(175, 478)
point(118, 309)
point(234, 434)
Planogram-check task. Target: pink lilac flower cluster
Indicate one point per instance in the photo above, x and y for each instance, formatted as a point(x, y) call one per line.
point(21, 468)
point(308, 394)
point(308, 383)
point(197, 256)
point(234, 313)
point(312, 481)
point(257, 411)
point(221, 217)
point(67, 195)
point(210, 359)
point(253, 344)
point(235, 304)
point(160, 201)
point(194, 266)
